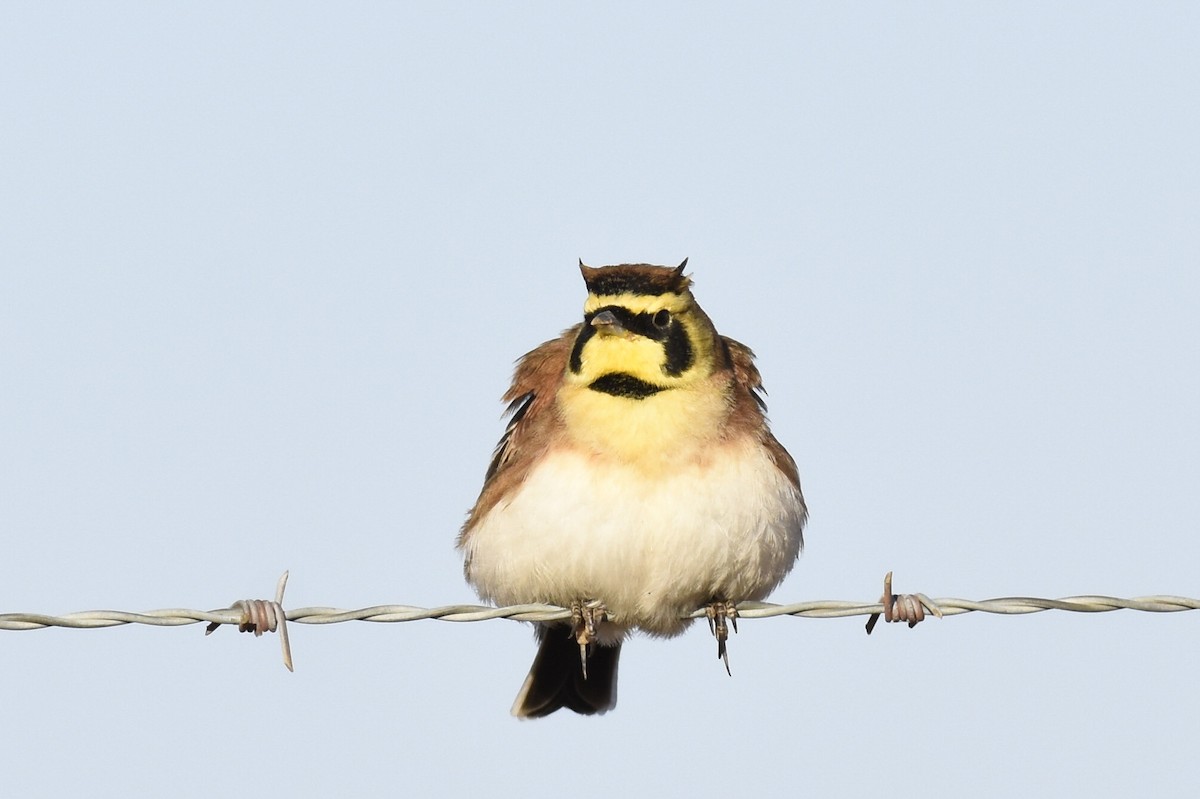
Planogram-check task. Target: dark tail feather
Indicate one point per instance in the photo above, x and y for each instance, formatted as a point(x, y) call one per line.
point(556, 678)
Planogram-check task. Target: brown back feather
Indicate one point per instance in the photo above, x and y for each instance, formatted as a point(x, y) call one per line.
point(533, 425)
point(749, 410)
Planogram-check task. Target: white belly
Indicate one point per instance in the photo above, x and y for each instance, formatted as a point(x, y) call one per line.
point(650, 548)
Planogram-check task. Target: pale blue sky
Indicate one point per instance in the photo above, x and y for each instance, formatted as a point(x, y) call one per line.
point(265, 272)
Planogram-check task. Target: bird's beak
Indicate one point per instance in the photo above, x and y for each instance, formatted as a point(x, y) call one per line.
point(607, 323)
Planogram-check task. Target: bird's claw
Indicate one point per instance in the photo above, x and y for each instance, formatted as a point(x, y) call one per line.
point(585, 618)
point(721, 616)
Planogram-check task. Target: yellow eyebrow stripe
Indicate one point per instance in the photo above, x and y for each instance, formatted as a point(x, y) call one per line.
point(640, 303)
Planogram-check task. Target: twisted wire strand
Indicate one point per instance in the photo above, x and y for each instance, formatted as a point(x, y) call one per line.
point(821, 609)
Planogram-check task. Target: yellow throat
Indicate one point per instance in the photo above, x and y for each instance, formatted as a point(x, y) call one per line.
point(640, 386)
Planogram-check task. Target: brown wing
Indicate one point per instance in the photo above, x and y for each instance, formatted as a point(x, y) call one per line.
point(750, 409)
point(532, 426)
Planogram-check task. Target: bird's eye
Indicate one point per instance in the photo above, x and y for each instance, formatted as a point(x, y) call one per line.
point(662, 318)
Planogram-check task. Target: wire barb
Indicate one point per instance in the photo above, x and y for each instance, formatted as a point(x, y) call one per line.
point(259, 616)
point(904, 607)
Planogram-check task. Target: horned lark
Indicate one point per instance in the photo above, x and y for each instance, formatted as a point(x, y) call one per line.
point(636, 482)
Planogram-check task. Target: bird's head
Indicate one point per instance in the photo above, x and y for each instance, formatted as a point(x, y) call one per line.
point(642, 332)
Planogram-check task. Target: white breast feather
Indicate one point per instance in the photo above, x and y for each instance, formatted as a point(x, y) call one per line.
point(650, 549)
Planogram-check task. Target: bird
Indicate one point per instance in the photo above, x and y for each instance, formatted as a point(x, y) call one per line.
point(636, 482)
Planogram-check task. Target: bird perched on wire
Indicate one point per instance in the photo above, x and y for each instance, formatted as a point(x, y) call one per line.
point(637, 481)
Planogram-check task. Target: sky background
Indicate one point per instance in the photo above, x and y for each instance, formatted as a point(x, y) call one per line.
point(265, 270)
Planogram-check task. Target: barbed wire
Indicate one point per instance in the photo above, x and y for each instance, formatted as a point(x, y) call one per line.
point(820, 609)
point(258, 616)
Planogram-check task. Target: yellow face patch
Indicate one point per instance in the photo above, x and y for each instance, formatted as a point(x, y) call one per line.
point(670, 355)
point(624, 353)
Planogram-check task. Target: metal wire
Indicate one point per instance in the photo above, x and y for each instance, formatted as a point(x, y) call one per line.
point(261, 615)
point(821, 609)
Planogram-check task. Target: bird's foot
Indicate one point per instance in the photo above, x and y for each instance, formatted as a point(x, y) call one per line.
point(586, 616)
point(721, 616)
